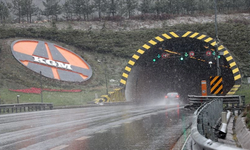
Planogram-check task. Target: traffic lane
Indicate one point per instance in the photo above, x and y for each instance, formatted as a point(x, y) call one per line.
point(99, 137)
point(158, 131)
point(20, 130)
point(62, 126)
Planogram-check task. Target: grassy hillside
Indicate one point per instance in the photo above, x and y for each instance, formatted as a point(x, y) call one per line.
point(113, 47)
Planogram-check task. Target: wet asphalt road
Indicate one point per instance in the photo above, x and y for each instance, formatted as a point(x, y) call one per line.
point(95, 128)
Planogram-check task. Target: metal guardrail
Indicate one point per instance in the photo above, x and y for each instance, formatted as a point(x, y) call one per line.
point(24, 107)
point(203, 127)
point(236, 99)
point(232, 103)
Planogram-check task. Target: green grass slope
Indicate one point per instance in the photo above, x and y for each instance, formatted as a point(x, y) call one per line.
point(112, 47)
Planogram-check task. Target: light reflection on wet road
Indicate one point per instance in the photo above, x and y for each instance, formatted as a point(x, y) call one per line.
point(104, 128)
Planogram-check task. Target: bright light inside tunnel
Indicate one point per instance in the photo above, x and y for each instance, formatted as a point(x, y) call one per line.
point(175, 71)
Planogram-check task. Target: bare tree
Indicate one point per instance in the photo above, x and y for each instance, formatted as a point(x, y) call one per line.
point(17, 8)
point(131, 6)
point(68, 10)
point(29, 9)
point(4, 11)
point(100, 7)
point(52, 8)
point(146, 6)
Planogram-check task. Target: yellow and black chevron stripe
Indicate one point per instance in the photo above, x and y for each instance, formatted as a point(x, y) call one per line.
point(187, 34)
point(216, 85)
point(141, 51)
point(118, 95)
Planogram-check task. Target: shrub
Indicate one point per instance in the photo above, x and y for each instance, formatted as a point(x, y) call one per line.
point(152, 17)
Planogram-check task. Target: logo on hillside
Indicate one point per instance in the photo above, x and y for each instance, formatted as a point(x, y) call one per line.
point(51, 60)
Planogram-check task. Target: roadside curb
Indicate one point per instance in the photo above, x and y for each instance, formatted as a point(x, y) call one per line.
point(182, 141)
point(242, 132)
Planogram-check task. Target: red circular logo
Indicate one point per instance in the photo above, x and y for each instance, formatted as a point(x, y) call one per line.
point(51, 60)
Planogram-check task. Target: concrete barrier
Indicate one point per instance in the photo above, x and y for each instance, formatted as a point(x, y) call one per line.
point(242, 132)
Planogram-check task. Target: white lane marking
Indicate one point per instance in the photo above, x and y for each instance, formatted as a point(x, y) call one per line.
point(116, 126)
point(82, 138)
point(127, 122)
point(102, 131)
point(59, 147)
point(140, 118)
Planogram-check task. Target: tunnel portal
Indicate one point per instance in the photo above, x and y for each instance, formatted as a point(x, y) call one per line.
point(177, 62)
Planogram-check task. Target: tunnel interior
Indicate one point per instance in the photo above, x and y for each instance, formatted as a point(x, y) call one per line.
point(176, 65)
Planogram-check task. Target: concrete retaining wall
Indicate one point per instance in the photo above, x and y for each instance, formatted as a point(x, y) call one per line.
point(242, 132)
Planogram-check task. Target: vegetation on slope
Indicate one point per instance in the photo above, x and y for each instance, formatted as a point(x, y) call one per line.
point(112, 47)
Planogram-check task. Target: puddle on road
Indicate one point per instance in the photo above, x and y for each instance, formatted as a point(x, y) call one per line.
point(156, 132)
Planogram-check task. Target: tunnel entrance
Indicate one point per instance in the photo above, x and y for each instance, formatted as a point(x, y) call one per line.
point(175, 63)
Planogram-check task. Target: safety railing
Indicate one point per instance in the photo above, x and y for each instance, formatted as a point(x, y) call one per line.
point(24, 107)
point(232, 103)
point(203, 130)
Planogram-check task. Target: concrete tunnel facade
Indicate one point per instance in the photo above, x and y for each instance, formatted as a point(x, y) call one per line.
point(178, 62)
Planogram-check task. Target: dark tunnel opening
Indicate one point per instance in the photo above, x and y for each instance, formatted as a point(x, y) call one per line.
point(168, 67)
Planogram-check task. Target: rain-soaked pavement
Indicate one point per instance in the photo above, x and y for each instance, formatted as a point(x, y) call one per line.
point(95, 128)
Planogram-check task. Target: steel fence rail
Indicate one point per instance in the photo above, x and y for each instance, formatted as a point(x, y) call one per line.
point(23, 107)
point(232, 103)
point(237, 99)
point(203, 127)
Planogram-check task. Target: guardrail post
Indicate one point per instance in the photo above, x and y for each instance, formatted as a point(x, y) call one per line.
point(199, 124)
point(233, 109)
point(238, 107)
point(205, 124)
point(212, 118)
point(243, 99)
point(15, 108)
